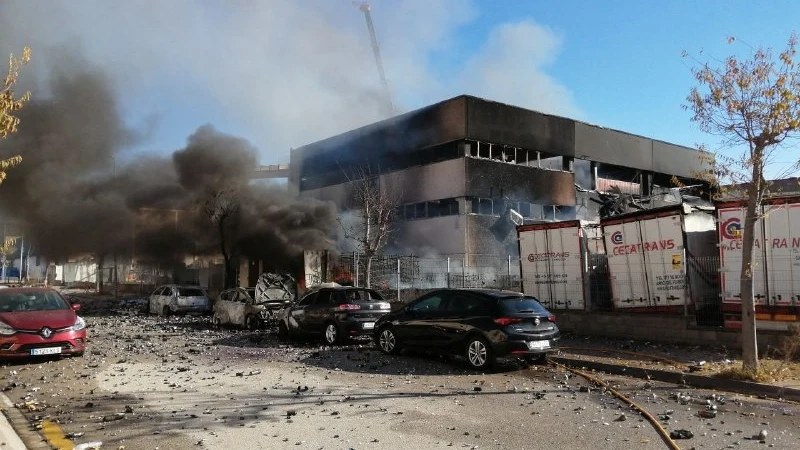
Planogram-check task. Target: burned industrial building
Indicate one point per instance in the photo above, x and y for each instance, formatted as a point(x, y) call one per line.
point(465, 170)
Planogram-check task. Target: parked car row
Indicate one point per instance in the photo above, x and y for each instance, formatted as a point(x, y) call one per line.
point(478, 324)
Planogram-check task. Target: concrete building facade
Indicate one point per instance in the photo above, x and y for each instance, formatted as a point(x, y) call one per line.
point(457, 167)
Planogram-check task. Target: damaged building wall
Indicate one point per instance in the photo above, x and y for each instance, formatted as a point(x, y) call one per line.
point(463, 163)
point(489, 179)
point(496, 122)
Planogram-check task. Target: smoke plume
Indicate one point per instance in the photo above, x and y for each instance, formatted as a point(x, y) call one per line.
point(74, 195)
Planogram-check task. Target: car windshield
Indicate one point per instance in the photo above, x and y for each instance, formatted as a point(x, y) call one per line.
point(521, 305)
point(190, 292)
point(32, 301)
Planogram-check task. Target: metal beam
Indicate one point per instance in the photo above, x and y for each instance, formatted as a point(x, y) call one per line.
point(270, 171)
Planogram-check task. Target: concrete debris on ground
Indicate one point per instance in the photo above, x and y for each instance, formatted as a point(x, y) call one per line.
point(176, 382)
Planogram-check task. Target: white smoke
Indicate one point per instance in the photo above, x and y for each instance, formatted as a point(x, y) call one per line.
point(282, 73)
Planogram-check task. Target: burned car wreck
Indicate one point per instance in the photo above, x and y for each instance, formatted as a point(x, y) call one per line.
point(255, 307)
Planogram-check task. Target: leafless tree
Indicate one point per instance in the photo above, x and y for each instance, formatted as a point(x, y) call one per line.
point(753, 105)
point(222, 208)
point(374, 209)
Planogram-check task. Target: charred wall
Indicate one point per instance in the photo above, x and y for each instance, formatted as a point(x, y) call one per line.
point(631, 151)
point(496, 122)
point(489, 179)
point(429, 182)
point(387, 145)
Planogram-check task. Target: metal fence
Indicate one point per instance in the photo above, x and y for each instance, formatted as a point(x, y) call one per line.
point(401, 278)
point(691, 288)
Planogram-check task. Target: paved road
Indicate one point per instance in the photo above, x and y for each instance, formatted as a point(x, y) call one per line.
point(175, 383)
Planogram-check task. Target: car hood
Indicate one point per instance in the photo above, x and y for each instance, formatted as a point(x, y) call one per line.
point(34, 320)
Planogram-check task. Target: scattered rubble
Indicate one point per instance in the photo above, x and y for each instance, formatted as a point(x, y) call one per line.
point(323, 387)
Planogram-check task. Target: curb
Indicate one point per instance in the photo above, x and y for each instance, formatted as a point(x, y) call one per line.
point(688, 379)
point(20, 425)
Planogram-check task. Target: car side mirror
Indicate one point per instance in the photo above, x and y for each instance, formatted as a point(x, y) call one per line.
point(76, 306)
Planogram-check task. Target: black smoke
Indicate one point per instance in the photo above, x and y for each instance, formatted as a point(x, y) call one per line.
point(74, 196)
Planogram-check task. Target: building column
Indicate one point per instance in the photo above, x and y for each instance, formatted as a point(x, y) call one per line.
point(646, 182)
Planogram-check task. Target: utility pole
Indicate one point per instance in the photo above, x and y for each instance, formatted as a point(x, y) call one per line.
point(365, 8)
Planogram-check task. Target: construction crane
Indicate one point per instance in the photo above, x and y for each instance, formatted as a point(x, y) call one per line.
point(365, 8)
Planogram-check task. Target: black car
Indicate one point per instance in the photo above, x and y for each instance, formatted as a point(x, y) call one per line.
point(480, 324)
point(333, 313)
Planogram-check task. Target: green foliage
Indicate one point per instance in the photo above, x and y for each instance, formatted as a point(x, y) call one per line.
point(10, 104)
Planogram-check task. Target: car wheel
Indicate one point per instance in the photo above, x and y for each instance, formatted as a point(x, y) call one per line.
point(252, 322)
point(478, 353)
point(165, 311)
point(331, 335)
point(387, 341)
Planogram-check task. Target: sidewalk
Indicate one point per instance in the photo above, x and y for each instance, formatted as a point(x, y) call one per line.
point(9, 440)
point(683, 365)
point(21, 438)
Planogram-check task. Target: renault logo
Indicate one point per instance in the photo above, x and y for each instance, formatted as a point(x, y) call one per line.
point(46, 332)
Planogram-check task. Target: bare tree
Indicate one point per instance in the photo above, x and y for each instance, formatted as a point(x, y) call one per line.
point(222, 208)
point(753, 104)
point(374, 210)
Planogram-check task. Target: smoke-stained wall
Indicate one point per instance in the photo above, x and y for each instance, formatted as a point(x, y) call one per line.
point(491, 179)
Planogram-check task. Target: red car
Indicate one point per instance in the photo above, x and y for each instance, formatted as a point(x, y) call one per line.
point(39, 322)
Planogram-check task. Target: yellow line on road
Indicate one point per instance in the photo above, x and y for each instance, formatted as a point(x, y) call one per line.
point(55, 436)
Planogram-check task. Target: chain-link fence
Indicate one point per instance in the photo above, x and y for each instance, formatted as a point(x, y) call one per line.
point(693, 290)
point(689, 286)
point(401, 278)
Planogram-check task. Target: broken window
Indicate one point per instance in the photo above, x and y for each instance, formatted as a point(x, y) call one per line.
point(434, 208)
point(419, 211)
point(524, 209)
point(498, 207)
point(449, 207)
point(473, 148)
point(409, 212)
point(484, 150)
point(549, 212)
point(485, 206)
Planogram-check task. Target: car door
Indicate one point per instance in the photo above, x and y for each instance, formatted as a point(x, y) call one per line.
point(319, 312)
point(416, 326)
point(465, 312)
point(222, 306)
point(297, 313)
point(165, 298)
point(155, 301)
point(237, 307)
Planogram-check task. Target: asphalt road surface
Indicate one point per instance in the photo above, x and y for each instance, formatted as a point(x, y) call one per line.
point(177, 383)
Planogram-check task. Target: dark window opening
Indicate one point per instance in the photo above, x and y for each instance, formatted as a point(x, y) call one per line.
point(419, 210)
point(524, 209)
point(498, 207)
point(485, 206)
point(484, 150)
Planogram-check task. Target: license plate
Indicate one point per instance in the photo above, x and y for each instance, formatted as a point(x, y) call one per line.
point(369, 325)
point(46, 351)
point(538, 345)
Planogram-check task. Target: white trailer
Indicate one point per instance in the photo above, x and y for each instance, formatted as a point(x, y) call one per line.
point(776, 262)
point(552, 263)
point(647, 255)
